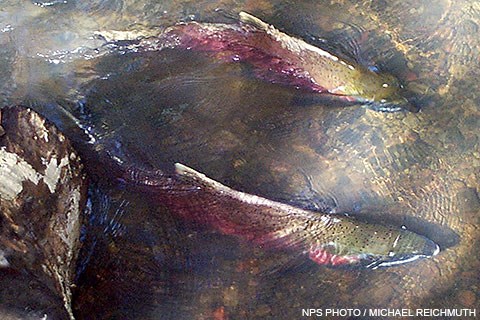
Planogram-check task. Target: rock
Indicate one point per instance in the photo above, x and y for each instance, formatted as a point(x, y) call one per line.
point(42, 196)
point(468, 200)
point(466, 298)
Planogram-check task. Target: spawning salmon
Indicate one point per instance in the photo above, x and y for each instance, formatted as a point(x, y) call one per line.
point(278, 58)
point(284, 59)
point(333, 240)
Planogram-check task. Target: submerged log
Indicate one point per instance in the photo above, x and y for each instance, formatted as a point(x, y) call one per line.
point(42, 195)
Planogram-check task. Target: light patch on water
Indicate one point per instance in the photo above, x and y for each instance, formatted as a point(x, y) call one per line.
point(48, 4)
point(7, 28)
point(3, 260)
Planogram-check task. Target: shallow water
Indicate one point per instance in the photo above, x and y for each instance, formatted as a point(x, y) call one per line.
point(156, 108)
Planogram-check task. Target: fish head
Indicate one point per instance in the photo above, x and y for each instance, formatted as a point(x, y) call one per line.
point(406, 247)
point(371, 246)
point(381, 92)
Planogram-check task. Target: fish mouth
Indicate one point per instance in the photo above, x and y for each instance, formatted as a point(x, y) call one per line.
point(430, 249)
point(396, 105)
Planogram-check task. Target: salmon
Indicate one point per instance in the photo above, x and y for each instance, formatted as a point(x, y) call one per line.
point(331, 240)
point(280, 58)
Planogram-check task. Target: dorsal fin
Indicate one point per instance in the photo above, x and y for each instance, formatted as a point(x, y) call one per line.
point(247, 18)
point(288, 42)
point(249, 199)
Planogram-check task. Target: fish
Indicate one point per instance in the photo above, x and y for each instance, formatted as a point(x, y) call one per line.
point(280, 58)
point(328, 240)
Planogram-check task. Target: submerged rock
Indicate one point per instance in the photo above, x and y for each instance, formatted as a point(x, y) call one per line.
point(42, 195)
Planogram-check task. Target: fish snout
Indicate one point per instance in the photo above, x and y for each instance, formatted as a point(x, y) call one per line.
point(417, 247)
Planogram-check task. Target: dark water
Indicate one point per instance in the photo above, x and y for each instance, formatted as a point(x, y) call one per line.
point(153, 109)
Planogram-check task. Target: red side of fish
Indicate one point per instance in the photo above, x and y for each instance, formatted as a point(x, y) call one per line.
point(327, 240)
point(233, 43)
point(324, 257)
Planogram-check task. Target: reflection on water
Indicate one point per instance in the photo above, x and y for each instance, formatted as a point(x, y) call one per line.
point(156, 108)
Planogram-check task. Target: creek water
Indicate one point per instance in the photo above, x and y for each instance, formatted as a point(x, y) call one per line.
point(152, 109)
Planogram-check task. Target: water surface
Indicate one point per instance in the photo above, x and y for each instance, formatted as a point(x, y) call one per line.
point(157, 108)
